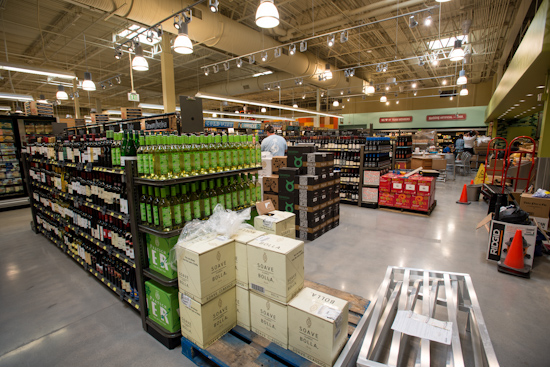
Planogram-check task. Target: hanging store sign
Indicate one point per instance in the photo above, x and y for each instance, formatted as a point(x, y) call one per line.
point(211, 123)
point(396, 119)
point(456, 116)
point(157, 124)
point(250, 125)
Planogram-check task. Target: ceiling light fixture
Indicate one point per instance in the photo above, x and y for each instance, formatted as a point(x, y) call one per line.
point(213, 5)
point(397, 102)
point(251, 59)
point(37, 71)
point(303, 96)
point(383, 99)
point(415, 93)
point(330, 40)
point(303, 46)
point(206, 71)
point(442, 1)
point(216, 68)
point(428, 21)
point(102, 85)
point(387, 103)
point(88, 84)
point(457, 54)
point(139, 63)
point(263, 110)
point(182, 43)
point(343, 36)
point(118, 53)
point(295, 105)
point(292, 49)
point(239, 62)
point(264, 56)
point(462, 78)
point(342, 92)
point(385, 67)
point(335, 103)
point(16, 97)
point(277, 52)
point(450, 99)
point(267, 15)
point(444, 82)
point(413, 85)
point(412, 22)
point(263, 104)
point(61, 94)
point(327, 75)
point(464, 91)
point(226, 66)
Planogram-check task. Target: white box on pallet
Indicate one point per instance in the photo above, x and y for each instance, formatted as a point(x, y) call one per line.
point(242, 237)
point(203, 324)
point(317, 326)
point(206, 267)
point(268, 318)
point(276, 267)
point(243, 307)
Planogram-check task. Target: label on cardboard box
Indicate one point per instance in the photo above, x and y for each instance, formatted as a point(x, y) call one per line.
point(276, 266)
point(203, 324)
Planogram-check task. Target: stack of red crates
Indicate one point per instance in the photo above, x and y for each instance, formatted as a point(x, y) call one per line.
point(415, 192)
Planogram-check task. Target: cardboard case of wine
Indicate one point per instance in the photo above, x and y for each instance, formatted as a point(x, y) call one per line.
point(243, 307)
point(242, 237)
point(317, 326)
point(276, 222)
point(206, 267)
point(203, 324)
point(269, 318)
point(276, 267)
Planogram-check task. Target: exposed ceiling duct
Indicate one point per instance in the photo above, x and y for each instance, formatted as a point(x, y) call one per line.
point(220, 32)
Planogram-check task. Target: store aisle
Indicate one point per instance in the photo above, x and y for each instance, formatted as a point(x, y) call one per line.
point(54, 314)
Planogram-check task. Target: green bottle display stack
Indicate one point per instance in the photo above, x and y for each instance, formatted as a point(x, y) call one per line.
point(169, 208)
point(169, 156)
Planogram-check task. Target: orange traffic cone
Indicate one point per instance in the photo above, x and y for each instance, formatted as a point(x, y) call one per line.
point(514, 256)
point(513, 262)
point(464, 197)
point(471, 182)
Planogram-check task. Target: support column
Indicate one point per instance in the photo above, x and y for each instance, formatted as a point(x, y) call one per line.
point(318, 108)
point(167, 70)
point(543, 170)
point(76, 100)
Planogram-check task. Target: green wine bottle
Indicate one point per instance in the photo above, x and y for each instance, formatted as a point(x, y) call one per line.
point(226, 148)
point(186, 204)
point(252, 189)
point(213, 195)
point(258, 189)
point(175, 205)
point(176, 154)
point(156, 209)
point(241, 193)
point(149, 206)
point(241, 148)
point(213, 154)
point(234, 194)
point(234, 154)
point(143, 205)
point(196, 155)
point(220, 153)
point(219, 192)
point(247, 193)
point(165, 210)
point(195, 201)
point(204, 197)
point(227, 194)
point(141, 158)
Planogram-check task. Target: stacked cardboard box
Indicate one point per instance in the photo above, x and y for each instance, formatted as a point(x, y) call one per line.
point(308, 187)
point(130, 113)
point(99, 118)
point(415, 192)
point(34, 108)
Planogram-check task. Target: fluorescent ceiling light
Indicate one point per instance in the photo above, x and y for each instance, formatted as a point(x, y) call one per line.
point(5, 108)
point(262, 104)
point(37, 71)
point(264, 117)
point(231, 120)
point(113, 112)
point(264, 73)
point(16, 97)
point(151, 106)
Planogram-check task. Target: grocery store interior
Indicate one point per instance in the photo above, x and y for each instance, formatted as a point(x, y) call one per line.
point(274, 182)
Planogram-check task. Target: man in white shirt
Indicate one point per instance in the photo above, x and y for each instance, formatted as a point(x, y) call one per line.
point(274, 143)
point(469, 141)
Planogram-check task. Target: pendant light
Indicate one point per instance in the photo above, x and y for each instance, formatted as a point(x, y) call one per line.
point(336, 103)
point(457, 54)
point(464, 91)
point(383, 99)
point(183, 44)
point(462, 78)
point(267, 15)
point(88, 84)
point(139, 63)
point(61, 94)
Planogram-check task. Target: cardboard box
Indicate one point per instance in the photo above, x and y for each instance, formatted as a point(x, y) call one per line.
point(386, 198)
point(288, 201)
point(158, 252)
point(206, 267)
point(426, 163)
point(403, 201)
point(420, 202)
point(403, 165)
point(411, 185)
point(287, 180)
point(162, 305)
point(535, 207)
point(317, 326)
point(278, 162)
point(243, 307)
point(269, 319)
point(297, 155)
point(426, 186)
point(274, 200)
point(203, 324)
point(398, 184)
point(242, 237)
point(271, 183)
point(501, 236)
point(276, 222)
point(439, 164)
point(276, 266)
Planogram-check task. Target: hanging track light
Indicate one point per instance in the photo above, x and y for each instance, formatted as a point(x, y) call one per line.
point(239, 63)
point(412, 22)
point(213, 5)
point(330, 40)
point(292, 49)
point(267, 15)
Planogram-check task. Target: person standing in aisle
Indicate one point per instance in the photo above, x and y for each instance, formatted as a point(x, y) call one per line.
point(459, 145)
point(274, 143)
point(469, 141)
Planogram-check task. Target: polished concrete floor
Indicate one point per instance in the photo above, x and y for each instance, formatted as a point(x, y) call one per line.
point(54, 314)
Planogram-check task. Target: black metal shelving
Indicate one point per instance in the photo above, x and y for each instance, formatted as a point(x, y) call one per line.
point(151, 274)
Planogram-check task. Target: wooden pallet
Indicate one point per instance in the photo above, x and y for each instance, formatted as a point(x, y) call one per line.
point(409, 211)
point(241, 347)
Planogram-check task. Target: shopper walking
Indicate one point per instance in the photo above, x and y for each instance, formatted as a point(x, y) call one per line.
point(469, 141)
point(274, 143)
point(459, 145)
